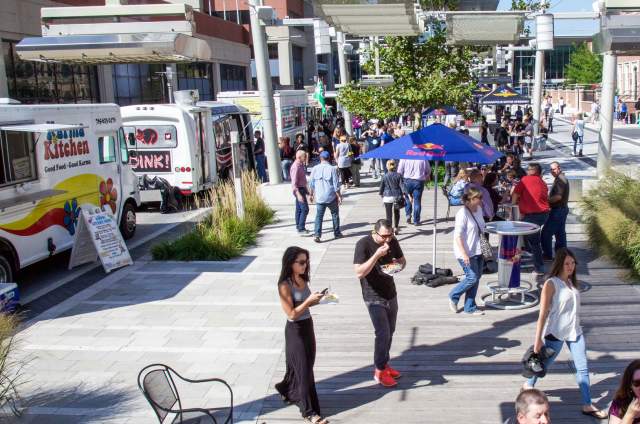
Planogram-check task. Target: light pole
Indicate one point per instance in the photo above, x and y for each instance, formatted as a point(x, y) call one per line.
point(263, 75)
point(344, 78)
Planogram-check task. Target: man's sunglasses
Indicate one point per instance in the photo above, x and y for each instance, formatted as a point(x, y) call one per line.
point(385, 236)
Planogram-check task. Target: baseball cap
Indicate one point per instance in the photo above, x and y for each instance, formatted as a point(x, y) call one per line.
point(324, 155)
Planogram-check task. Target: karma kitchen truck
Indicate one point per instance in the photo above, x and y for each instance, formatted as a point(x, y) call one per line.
point(53, 159)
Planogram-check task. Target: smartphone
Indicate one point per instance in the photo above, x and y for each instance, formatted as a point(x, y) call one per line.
point(323, 292)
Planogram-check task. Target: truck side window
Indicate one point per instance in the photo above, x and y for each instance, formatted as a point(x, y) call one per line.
point(124, 152)
point(107, 149)
point(17, 158)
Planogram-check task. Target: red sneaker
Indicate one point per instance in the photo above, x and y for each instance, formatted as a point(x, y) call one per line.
point(384, 378)
point(392, 372)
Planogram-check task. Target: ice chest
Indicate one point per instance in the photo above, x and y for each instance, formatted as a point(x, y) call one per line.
point(9, 297)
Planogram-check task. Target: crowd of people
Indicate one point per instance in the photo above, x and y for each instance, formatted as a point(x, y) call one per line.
point(481, 190)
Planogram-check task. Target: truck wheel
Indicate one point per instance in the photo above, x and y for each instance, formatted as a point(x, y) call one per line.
point(128, 221)
point(6, 270)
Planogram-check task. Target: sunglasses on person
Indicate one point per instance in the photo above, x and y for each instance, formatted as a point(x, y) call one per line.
point(635, 383)
point(384, 236)
point(302, 263)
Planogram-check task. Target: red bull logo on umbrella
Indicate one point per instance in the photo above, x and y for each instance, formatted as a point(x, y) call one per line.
point(427, 149)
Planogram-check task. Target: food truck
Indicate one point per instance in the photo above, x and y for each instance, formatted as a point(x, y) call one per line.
point(55, 158)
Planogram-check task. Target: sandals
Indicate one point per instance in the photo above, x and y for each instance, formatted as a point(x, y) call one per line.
point(315, 419)
point(597, 414)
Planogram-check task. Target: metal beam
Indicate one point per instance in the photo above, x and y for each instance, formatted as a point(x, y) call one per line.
point(47, 13)
point(180, 27)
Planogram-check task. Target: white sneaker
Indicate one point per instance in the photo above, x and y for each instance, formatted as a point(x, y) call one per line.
point(453, 307)
point(476, 313)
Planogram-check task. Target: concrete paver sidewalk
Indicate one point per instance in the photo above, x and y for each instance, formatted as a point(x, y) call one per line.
point(224, 319)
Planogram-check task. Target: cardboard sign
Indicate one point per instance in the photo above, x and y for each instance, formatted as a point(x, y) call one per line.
point(98, 236)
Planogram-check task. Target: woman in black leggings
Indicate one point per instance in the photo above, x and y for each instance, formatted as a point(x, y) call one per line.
point(298, 385)
point(393, 193)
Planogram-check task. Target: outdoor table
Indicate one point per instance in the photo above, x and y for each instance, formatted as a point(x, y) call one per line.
point(509, 282)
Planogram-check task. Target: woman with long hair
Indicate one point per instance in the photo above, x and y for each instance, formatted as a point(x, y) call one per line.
point(298, 385)
point(468, 229)
point(559, 324)
point(459, 183)
point(625, 408)
point(286, 156)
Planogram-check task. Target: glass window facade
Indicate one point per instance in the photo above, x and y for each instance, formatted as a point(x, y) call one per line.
point(135, 83)
point(298, 69)
point(233, 77)
point(36, 82)
point(554, 63)
point(196, 76)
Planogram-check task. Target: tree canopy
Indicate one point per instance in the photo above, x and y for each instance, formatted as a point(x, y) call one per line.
point(584, 67)
point(425, 74)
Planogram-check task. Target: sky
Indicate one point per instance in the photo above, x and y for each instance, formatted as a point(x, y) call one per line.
point(567, 27)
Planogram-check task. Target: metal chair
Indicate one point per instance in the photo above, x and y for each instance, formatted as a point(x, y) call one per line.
point(156, 382)
point(445, 192)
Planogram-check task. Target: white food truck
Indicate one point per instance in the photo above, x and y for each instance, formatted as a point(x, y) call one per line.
point(55, 158)
point(172, 141)
point(290, 106)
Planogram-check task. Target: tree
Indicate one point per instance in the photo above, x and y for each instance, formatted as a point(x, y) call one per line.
point(531, 5)
point(426, 74)
point(584, 67)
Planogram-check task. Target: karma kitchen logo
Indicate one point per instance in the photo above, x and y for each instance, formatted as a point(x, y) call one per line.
point(65, 143)
point(427, 149)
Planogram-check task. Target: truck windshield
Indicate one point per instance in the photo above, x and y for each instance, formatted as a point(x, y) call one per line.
point(151, 136)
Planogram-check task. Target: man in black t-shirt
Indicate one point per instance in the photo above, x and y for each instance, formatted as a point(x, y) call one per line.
point(557, 220)
point(379, 292)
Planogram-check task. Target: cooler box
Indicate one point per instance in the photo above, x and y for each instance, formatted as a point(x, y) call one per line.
point(9, 297)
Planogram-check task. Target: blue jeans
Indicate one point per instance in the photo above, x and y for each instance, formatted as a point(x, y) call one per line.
point(302, 210)
point(286, 167)
point(468, 286)
point(335, 217)
point(578, 143)
point(414, 189)
point(555, 226)
point(579, 355)
point(261, 165)
point(383, 317)
point(533, 240)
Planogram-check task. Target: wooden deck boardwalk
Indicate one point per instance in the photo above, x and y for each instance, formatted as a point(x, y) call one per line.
point(456, 368)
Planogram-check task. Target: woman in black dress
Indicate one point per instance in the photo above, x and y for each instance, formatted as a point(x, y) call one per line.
point(298, 385)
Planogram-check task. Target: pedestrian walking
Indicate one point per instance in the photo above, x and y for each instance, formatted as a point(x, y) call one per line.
point(552, 112)
point(415, 174)
point(286, 156)
point(261, 159)
point(372, 253)
point(325, 190)
point(300, 192)
point(484, 130)
point(468, 229)
point(559, 324)
point(356, 162)
point(393, 194)
point(532, 407)
point(372, 138)
point(343, 159)
point(625, 408)
point(557, 220)
point(577, 134)
point(532, 198)
point(562, 104)
point(298, 385)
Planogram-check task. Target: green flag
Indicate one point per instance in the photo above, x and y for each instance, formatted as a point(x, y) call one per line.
point(319, 96)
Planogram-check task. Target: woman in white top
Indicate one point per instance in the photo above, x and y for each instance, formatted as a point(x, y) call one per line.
point(559, 323)
point(578, 128)
point(466, 247)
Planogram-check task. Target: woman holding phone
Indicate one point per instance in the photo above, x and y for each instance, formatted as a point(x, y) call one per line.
point(298, 385)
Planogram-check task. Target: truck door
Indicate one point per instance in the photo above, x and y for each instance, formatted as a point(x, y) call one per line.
point(202, 147)
point(110, 169)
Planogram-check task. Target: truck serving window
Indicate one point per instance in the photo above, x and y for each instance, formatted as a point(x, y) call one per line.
point(107, 149)
point(18, 159)
point(122, 142)
point(151, 136)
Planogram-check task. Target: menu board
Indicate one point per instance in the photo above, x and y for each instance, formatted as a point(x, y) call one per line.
point(98, 236)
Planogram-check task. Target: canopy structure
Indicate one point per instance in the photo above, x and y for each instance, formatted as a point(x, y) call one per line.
point(504, 95)
point(115, 48)
point(481, 90)
point(439, 143)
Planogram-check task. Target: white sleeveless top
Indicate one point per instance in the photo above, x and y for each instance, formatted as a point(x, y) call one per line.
point(564, 318)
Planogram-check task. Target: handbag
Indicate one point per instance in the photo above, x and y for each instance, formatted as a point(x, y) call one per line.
point(399, 202)
point(574, 135)
point(485, 246)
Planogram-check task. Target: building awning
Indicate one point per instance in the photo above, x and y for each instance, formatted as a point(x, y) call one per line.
point(115, 48)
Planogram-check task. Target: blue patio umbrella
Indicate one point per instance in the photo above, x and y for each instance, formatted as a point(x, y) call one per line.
point(436, 142)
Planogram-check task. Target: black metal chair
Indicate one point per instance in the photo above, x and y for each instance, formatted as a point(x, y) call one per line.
point(156, 382)
point(445, 192)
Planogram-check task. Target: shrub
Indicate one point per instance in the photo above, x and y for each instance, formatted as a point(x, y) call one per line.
point(9, 370)
point(612, 219)
point(221, 235)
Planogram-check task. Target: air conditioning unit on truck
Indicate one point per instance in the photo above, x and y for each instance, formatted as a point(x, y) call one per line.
point(55, 158)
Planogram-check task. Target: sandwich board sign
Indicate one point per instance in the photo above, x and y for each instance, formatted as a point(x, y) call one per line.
point(98, 236)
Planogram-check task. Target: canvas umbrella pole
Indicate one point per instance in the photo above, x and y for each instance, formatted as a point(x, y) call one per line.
point(435, 217)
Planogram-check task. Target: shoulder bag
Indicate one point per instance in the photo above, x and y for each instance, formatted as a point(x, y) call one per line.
point(485, 246)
